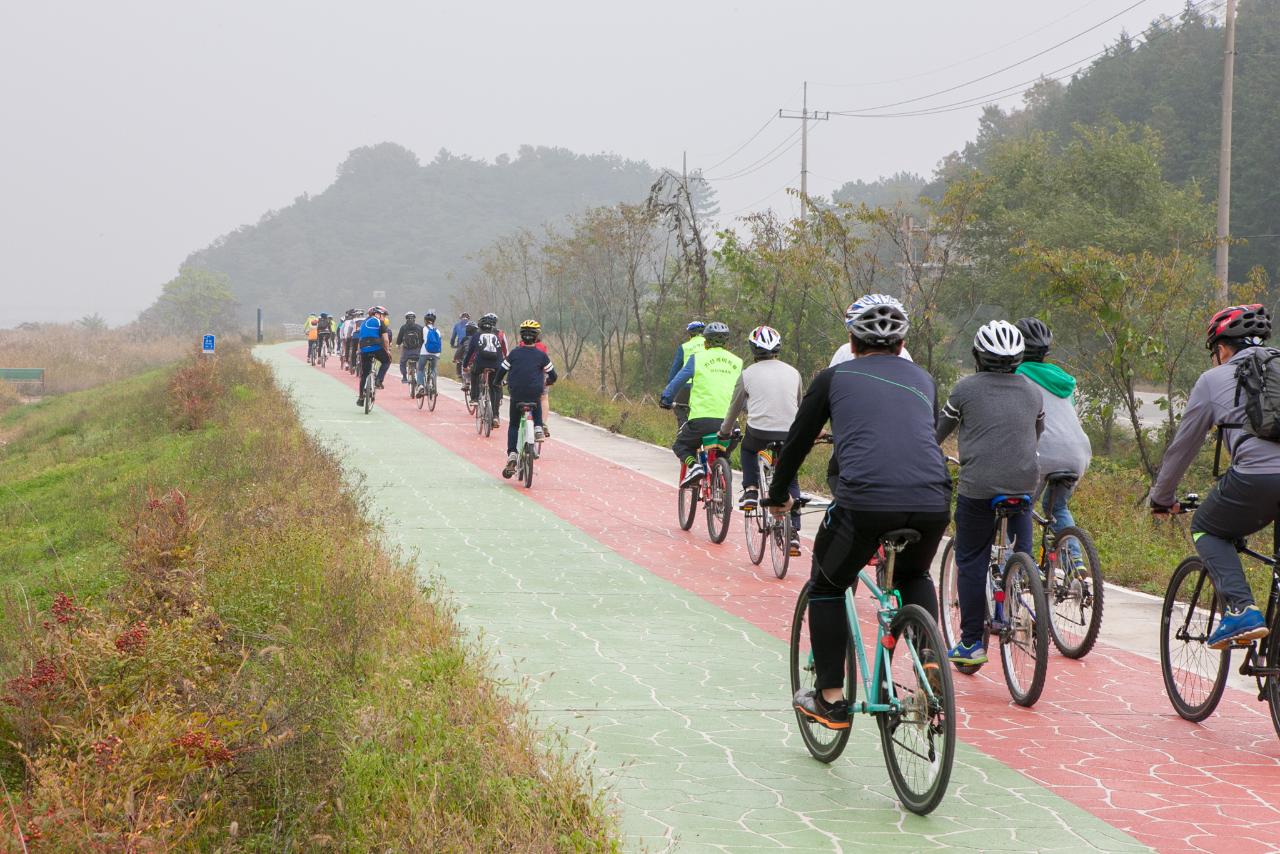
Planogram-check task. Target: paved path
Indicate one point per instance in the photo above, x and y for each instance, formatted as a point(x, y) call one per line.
point(662, 657)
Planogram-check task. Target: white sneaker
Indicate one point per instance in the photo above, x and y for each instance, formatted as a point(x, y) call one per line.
point(693, 475)
point(538, 434)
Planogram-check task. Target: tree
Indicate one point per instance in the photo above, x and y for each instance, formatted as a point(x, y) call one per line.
point(195, 302)
point(93, 323)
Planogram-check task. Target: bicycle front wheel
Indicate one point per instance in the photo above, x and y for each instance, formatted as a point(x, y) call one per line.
point(1194, 675)
point(720, 507)
point(369, 386)
point(780, 545)
point(919, 739)
point(1024, 640)
point(823, 744)
point(1271, 685)
point(687, 505)
point(1073, 584)
point(949, 604)
point(432, 394)
point(486, 415)
point(755, 523)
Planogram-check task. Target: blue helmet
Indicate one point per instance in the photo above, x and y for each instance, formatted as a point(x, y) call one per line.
point(695, 326)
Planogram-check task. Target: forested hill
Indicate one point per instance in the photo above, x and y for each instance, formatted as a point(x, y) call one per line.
point(1170, 78)
point(390, 223)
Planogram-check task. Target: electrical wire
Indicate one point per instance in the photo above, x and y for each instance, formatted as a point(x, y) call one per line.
point(750, 140)
point(764, 160)
point(770, 195)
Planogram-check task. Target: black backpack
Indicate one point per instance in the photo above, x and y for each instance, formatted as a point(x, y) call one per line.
point(412, 338)
point(1258, 385)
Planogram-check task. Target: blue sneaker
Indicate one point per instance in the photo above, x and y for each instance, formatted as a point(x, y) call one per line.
point(1238, 627)
point(969, 656)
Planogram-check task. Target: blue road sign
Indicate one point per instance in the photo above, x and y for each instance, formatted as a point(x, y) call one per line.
point(207, 347)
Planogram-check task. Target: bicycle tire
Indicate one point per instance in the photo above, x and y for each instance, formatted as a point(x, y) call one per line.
point(421, 398)
point(1074, 635)
point(1204, 670)
point(1271, 685)
point(370, 389)
point(932, 721)
point(687, 505)
point(433, 394)
point(527, 477)
point(949, 605)
point(720, 507)
point(754, 524)
point(824, 745)
point(1027, 630)
point(780, 545)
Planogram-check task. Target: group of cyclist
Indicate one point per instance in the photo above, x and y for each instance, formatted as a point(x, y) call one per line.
point(1015, 423)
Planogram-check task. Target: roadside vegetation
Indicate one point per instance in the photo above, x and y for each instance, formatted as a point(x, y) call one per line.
point(85, 353)
point(204, 647)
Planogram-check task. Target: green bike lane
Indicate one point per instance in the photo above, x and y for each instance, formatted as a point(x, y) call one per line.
point(679, 708)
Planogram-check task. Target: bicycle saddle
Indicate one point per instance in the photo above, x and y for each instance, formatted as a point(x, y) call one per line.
point(1007, 504)
point(901, 538)
point(1066, 478)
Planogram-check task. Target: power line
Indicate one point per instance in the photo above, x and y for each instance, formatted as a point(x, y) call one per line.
point(764, 160)
point(989, 75)
point(770, 195)
point(750, 140)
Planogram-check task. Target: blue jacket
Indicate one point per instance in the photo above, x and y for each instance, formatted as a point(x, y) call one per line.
point(459, 333)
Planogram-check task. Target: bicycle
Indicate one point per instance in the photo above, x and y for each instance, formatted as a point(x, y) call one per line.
point(322, 356)
point(527, 445)
point(1195, 676)
point(411, 371)
point(761, 526)
point(1072, 573)
point(428, 393)
point(714, 489)
point(1015, 604)
point(483, 408)
point(914, 703)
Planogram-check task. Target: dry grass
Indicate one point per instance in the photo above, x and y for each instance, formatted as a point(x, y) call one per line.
point(74, 358)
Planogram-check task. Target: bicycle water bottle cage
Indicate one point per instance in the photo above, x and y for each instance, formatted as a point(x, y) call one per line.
point(1009, 505)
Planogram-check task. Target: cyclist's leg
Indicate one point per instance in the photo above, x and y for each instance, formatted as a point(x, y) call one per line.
point(751, 447)
point(1239, 505)
point(420, 371)
point(793, 489)
point(689, 438)
point(433, 365)
point(366, 365)
point(513, 427)
point(975, 530)
point(404, 365)
point(385, 359)
point(495, 393)
point(911, 566)
point(840, 551)
point(1020, 531)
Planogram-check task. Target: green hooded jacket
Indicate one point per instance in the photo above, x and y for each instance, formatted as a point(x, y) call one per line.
point(1049, 377)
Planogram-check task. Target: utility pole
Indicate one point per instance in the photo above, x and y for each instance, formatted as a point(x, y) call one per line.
point(805, 116)
point(1224, 155)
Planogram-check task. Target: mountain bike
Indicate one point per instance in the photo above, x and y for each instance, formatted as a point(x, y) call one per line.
point(526, 445)
point(411, 370)
point(714, 489)
point(909, 688)
point(1072, 575)
point(484, 406)
point(1016, 608)
point(428, 393)
point(762, 528)
point(1195, 676)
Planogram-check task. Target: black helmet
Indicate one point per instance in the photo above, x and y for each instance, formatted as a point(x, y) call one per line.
point(489, 321)
point(472, 327)
point(716, 333)
point(1036, 338)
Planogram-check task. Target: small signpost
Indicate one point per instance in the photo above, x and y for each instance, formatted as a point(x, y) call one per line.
point(206, 346)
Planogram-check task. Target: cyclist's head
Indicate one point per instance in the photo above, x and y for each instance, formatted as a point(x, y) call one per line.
point(716, 333)
point(323, 315)
point(998, 347)
point(1238, 327)
point(489, 322)
point(877, 323)
point(466, 315)
point(409, 315)
point(765, 342)
point(472, 327)
point(430, 316)
point(1036, 339)
point(529, 331)
point(695, 327)
point(374, 310)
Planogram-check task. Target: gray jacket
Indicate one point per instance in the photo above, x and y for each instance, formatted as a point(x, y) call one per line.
point(771, 391)
point(1213, 403)
point(1000, 420)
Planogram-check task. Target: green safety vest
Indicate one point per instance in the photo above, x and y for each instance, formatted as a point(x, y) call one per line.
point(688, 348)
point(715, 374)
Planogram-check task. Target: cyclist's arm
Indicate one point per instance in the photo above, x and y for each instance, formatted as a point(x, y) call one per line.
point(675, 365)
point(1197, 420)
point(550, 371)
point(682, 376)
point(735, 408)
point(814, 413)
point(400, 335)
point(1040, 424)
point(502, 372)
point(948, 419)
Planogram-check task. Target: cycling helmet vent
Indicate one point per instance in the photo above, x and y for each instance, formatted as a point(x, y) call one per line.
point(998, 346)
point(716, 333)
point(866, 301)
point(1249, 323)
point(1036, 336)
point(765, 339)
point(880, 324)
point(695, 326)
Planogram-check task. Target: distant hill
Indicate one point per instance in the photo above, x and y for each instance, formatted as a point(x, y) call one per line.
point(389, 223)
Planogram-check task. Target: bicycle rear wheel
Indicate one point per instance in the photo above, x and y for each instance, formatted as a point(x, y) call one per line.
point(720, 507)
point(1024, 642)
point(1194, 675)
point(687, 505)
point(949, 604)
point(486, 413)
point(1075, 593)
point(823, 744)
point(755, 523)
point(1271, 685)
point(432, 394)
point(919, 740)
point(780, 545)
point(369, 391)
point(526, 467)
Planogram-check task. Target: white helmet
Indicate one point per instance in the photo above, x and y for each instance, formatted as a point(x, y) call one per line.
point(765, 339)
point(877, 319)
point(865, 301)
point(998, 346)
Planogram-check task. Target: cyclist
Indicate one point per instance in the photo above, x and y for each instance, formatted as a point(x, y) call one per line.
point(892, 475)
point(1000, 420)
point(686, 349)
point(770, 389)
point(432, 344)
point(486, 350)
point(352, 327)
point(1064, 446)
point(711, 374)
point(374, 341)
point(844, 352)
point(528, 371)
point(313, 336)
point(409, 340)
point(458, 337)
point(324, 332)
point(460, 354)
point(1247, 498)
point(546, 398)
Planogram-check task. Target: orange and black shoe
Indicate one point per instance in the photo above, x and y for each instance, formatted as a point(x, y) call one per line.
point(812, 706)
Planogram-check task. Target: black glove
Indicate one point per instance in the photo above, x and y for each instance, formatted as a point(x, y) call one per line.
point(664, 404)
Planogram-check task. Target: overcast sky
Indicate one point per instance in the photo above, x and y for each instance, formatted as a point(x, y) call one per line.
point(134, 132)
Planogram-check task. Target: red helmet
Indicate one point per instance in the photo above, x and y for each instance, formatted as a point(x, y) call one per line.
point(1239, 321)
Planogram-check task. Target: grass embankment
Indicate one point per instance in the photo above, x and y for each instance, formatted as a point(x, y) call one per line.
point(204, 647)
point(76, 358)
point(1136, 550)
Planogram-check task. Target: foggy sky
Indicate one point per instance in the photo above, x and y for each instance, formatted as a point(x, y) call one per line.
point(135, 132)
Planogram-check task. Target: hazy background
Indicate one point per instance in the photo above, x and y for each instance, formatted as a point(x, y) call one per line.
point(137, 132)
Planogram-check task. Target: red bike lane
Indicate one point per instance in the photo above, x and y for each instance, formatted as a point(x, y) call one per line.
point(1103, 735)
